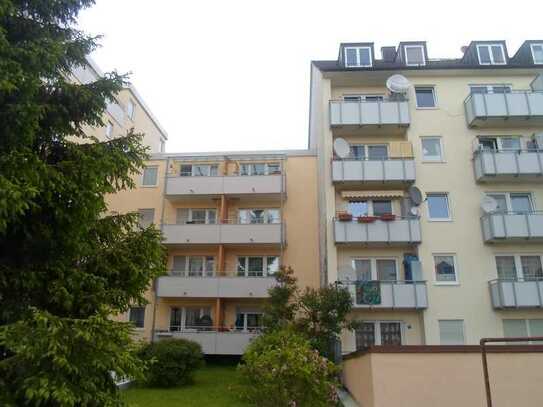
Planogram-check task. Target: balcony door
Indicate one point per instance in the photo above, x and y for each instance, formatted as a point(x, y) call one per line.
point(384, 333)
point(375, 269)
point(190, 318)
point(527, 268)
point(513, 202)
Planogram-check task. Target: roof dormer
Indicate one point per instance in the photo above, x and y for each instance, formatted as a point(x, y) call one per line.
point(486, 53)
point(356, 55)
point(412, 53)
point(529, 53)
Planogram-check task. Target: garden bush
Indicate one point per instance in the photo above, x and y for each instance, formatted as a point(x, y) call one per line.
point(173, 361)
point(280, 368)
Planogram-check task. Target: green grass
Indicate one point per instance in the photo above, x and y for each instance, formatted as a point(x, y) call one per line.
point(214, 386)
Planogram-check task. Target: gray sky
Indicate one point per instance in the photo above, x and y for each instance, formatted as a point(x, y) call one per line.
point(234, 75)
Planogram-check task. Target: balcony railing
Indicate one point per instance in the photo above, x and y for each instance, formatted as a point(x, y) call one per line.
point(214, 285)
point(518, 293)
point(396, 230)
point(389, 294)
point(511, 226)
point(224, 341)
point(391, 170)
point(231, 184)
point(229, 233)
point(495, 165)
point(511, 109)
point(390, 113)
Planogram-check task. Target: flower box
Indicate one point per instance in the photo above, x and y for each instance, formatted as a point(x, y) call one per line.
point(367, 219)
point(388, 217)
point(344, 217)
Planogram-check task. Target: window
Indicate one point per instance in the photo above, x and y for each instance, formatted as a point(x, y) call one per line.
point(130, 109)
point(260, 169)
point(190, 318)
point(513, 202)
point(438, 207)
point(527, 268)
point(414, 55)
point(386, 333)
point(196, 216)
point(136, 315)
point(369, 152)
point(249, 320)
point(432, 150)
point(363, 98)
point(500, 143)
point(522, 328)
point(490, 88)
point(425, 96)
point(370, 208)
point(146, 217)
point(506, 268)
point(531, 268)
point(109, 130)
point(162, 146)
point(382, 207)
point(445, 269)
point(357, 57)
point(491, 54)
point(375, 269)
point(198, 170)
point(193, 266)
point(150, 176)
point(257, 266)
point(256, 216)
point(451, 331)
point(537, 53)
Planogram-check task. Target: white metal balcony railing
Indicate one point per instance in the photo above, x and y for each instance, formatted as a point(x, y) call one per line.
point(214, 285)
point(224, 233)
point(369, 113)
point(223, 341)
point(396, 230)
point(518, 293)
point(389, 294)
point(514, 108)
point(387, 170)
point(496, 165)
point(227, 184)
point(507, 226)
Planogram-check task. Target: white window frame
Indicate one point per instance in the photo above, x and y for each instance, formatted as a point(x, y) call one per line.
point(434, 94)
point(109, 130)
point(266, 216)
point(508, 198)
point(377, 324)
point(245, 324)
point(490, 86)
point(130, 113)
point(489, 46)
point(499, 141)
point(421, 47)
point(185, 272)
point(148, 210)
point(364, 97)
point(369, 201)
point(518, 263)
point(453, 319)
point(366, 149)
point(441, 149)
point(265, 272)
point(538, 44)
point(430, 219)
point(358, 64)
point(207, 212)
point(192, 171)
point(373, 266)
point(143, 177)
point(526, 324)
point(183, 327)
point(267, 166)
point(137, 328)
point(456, 270)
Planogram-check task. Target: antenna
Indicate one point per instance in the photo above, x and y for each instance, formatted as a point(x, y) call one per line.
point(398, 84)
point(341, 148)
point(489, 204)
point(415, 195)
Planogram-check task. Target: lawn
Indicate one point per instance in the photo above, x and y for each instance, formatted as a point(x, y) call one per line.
point(213, 387)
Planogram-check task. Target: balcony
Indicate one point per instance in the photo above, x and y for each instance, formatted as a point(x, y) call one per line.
point(234, 185)
point(391, 171)
point(397, 231)
point(512, 226)
point(214, 342)
point(513, 109)
point(504, 165)
point(271, 233)
point(516, 293)
point(227, 285)
point(389, 294)
point(361, 117)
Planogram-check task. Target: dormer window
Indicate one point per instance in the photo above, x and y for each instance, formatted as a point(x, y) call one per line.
point(414, 55)
point(491, 54)
point(537, 53)
point(356, 57)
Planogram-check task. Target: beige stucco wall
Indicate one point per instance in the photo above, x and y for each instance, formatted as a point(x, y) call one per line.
point(402, 379)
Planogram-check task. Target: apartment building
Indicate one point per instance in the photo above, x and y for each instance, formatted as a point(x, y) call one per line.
point(466, 262)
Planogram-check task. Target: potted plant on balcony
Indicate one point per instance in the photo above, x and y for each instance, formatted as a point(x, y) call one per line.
point(344, 217)
point(367, 219)
point(388, 217)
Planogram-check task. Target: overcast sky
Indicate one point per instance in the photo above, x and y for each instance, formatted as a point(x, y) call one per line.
point(234, 75)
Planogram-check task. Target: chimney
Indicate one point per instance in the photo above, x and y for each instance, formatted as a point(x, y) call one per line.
point(388, 54)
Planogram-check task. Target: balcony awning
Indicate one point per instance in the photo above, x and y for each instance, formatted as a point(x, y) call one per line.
point(371, 194)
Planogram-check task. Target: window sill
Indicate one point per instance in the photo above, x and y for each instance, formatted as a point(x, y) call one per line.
point(447, 284)
point(427, 108)
point(149, 186)
point(439, 220)
point(433, 162)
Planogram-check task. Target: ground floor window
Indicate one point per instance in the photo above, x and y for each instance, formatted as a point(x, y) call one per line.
point(136, 315)
point(522, 327)
point(249, 320)
point(372, 333)
point(190, 318)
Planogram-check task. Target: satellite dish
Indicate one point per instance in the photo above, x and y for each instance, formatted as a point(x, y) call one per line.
point(415, 195)
point(415, 211)
point(489, 204)
point(341, 148)
point(398, 84)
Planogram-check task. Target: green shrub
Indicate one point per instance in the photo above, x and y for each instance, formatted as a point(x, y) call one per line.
point(173, 362)
point(281, 369)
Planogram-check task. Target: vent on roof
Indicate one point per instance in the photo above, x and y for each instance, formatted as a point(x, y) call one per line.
point(388, 54)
